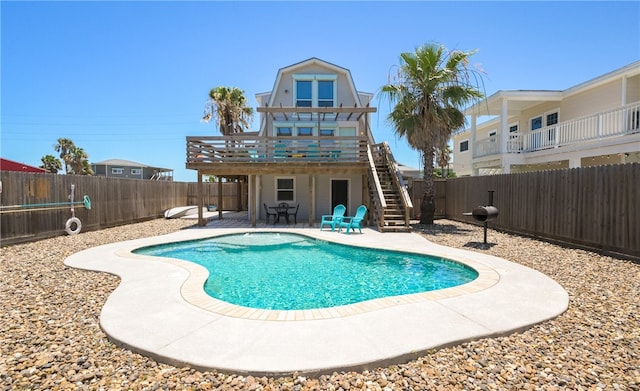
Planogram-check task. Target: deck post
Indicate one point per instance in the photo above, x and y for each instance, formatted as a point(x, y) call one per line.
point(200, 192)
point(219, 198)
point(312, 206)
point(252, 199)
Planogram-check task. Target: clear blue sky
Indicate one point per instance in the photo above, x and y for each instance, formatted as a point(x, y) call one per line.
point(129, 80)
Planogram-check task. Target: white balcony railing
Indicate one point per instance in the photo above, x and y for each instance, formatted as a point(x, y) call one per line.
point(617, 122)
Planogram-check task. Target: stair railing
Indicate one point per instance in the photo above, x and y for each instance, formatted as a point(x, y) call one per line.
point(376, 191)
point(398, 181)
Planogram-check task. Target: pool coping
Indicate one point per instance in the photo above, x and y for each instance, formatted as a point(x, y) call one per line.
point(160, 310)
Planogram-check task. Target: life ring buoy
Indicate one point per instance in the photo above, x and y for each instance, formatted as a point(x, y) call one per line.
point(87, 202)
point(69, 226)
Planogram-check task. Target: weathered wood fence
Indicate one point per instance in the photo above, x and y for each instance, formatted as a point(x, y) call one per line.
point(113, 202)
point(592, 207)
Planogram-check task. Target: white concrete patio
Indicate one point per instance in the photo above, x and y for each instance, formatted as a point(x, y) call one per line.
point(161, 310)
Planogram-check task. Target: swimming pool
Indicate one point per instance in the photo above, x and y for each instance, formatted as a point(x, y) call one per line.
point(285, 271)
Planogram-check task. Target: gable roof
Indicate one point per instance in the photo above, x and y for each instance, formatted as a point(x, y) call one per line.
point(314, 61)
point(10, 165)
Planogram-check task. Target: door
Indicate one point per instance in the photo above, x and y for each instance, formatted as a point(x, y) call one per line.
point(340, 193)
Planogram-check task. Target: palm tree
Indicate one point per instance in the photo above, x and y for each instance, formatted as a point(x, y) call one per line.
point(64, 146)
point(429, 91)
point(79, 162)
point(228, 106)
point(51, 163)
point(443, 157)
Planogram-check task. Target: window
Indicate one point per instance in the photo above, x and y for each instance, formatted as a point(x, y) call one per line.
point(304, 95)
point(327, 132)
point(325, 93)
point(285, 189)
point(117, 171)
point(464, 145)
point(552, 119)
point(635, 119)
point(283, 131)
point(536, 123)
point(492, 136)
point(305, 131)
point(315, 90)
point(136, 171)
point(513, 128)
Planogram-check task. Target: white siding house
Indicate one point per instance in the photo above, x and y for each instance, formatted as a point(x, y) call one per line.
point(593, 123)
point(314, 150)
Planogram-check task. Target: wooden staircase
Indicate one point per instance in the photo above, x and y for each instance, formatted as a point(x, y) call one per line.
point(386, 190)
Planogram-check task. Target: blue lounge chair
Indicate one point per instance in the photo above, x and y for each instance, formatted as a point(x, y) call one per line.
point(280, 151)
point(335, 218)
point(351, 223)
point(312, 151)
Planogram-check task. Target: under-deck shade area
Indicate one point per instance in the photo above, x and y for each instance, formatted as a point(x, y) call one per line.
point(254, 154)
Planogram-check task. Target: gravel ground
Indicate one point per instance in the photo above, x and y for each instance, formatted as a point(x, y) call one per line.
point(51, 339)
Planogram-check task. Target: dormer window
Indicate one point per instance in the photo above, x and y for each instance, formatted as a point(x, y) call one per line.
point(325, 93)
point(315, 90)
point(304, 97)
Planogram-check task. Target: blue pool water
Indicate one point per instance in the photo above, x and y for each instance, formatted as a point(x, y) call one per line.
point(282, 271)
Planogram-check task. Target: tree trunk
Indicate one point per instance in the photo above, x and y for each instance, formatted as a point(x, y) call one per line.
point(428, 204)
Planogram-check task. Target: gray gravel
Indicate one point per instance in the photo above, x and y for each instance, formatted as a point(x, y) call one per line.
point(51, 339)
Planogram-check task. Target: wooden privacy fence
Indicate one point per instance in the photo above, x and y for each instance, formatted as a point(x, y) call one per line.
point(593, 207)
point(416, 190)
point(114, 202)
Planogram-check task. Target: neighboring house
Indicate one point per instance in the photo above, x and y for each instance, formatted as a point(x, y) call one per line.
point(593, 123)
point(118, 168)
point(10, 165)
point(314, 149)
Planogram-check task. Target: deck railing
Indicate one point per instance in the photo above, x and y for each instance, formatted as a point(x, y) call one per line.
point(617, 122)
point(251, 148)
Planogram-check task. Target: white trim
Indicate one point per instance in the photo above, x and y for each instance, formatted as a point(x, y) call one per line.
point(314, 76)
point(276, 189)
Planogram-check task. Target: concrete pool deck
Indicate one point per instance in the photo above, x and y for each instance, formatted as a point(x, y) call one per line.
point(160, 310)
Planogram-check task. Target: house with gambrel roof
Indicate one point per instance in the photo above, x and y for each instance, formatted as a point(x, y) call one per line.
point(314, 149)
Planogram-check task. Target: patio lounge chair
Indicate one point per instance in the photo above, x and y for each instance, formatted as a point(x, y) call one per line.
point(335, 218)
point(312, 151)
point(351, 223)
point(280, 151)
point(266, 210)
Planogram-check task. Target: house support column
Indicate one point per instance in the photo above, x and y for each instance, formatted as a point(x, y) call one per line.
point(200, 192)
point(504, 140)
point(366, 198)
point(219, 198)
point(474, 120)
point(575, 162)
point(252, 199)
point(311, 201)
